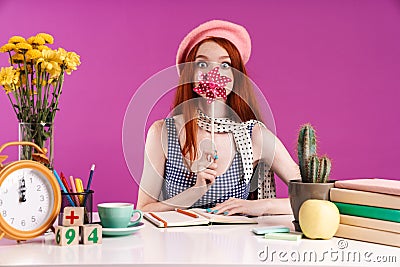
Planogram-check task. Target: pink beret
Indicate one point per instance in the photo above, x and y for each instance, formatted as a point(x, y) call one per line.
point(235, 33)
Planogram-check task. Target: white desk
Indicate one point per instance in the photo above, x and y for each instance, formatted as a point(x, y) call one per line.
point(215, 245)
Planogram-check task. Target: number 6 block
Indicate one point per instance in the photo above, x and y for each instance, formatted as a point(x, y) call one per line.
point(91, 234)
point(67, 235)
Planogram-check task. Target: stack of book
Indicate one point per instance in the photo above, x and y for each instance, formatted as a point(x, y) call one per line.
point(369, 210)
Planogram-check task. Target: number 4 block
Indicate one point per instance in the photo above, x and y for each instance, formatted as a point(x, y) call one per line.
point(67, 235)
point(91, 234)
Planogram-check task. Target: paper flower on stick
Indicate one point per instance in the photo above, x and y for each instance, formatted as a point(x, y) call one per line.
point(212, 84)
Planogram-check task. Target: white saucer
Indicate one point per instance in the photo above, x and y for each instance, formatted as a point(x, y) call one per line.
point(122, 231)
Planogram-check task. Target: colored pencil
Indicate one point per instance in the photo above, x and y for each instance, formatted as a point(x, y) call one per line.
point(73, 188)
point(63, 188)
point(79, 189)
point(187, 213)
point(89, 183)
point(65, 182)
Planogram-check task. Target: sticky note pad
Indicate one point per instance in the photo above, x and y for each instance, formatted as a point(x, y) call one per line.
point(284, 236)
point(270, 229)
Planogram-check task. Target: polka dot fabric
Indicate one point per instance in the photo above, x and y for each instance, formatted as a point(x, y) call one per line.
point(242, 135)
point(178, 178)
point(265, 181)
point(212, 84)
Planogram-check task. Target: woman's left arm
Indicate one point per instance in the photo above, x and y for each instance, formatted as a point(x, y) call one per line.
point(268, 148)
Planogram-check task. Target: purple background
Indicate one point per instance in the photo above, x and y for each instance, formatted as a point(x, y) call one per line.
point(335, 64)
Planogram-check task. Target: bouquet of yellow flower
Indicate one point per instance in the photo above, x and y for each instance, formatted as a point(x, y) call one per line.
point(33, 82)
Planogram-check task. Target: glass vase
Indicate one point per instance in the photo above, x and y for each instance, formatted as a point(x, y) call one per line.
point(42, 134)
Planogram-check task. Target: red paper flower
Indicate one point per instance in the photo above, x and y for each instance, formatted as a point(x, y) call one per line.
point(212, 84)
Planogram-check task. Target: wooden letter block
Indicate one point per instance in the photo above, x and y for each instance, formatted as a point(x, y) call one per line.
point(67, 235)
point(73, 216)
point(91, 234)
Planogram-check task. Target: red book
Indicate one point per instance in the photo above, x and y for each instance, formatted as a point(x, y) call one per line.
point(377, 185)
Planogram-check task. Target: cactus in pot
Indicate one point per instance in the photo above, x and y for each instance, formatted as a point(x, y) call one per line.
point(313, 169)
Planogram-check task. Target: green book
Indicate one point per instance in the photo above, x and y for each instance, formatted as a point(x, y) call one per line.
point(369, 212)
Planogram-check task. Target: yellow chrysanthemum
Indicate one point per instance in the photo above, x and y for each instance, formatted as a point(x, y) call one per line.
point(45, 65)
point(17, 59)
point(48, 63)
point(7, 47)
point(61, 54)
point(36, 40)
point(47, 37)
point(23, 46)
point(74, 57)
point(72, 61)
point(16, 40)
point(55, 70)
point(48, 54)
point(9, 77)
point(33, 54)
point(43, 47)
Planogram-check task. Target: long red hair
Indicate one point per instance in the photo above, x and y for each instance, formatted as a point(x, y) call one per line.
point(241, 100)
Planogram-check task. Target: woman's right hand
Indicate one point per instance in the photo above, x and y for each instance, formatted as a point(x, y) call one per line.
point(207, 176)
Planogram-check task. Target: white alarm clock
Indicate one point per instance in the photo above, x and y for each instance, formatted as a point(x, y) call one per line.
point(30, 197)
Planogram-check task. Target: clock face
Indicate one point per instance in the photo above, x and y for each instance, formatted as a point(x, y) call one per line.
point(26, 199)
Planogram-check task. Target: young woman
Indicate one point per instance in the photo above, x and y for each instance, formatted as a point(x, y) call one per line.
point(180, 169)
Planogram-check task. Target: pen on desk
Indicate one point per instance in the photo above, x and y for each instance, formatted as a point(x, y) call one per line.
point(73, 188)
point(159, 219)
point(187, 213)
point(63, 188)
point(89, 183)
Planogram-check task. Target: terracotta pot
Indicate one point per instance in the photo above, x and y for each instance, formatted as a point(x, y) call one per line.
point(300, 192)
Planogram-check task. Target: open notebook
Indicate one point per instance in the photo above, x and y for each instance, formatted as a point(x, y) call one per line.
point(192, 217)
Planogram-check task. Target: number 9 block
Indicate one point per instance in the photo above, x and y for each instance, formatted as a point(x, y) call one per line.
point(67, 235)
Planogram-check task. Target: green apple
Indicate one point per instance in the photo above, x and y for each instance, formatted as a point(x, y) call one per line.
point(319, 219)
